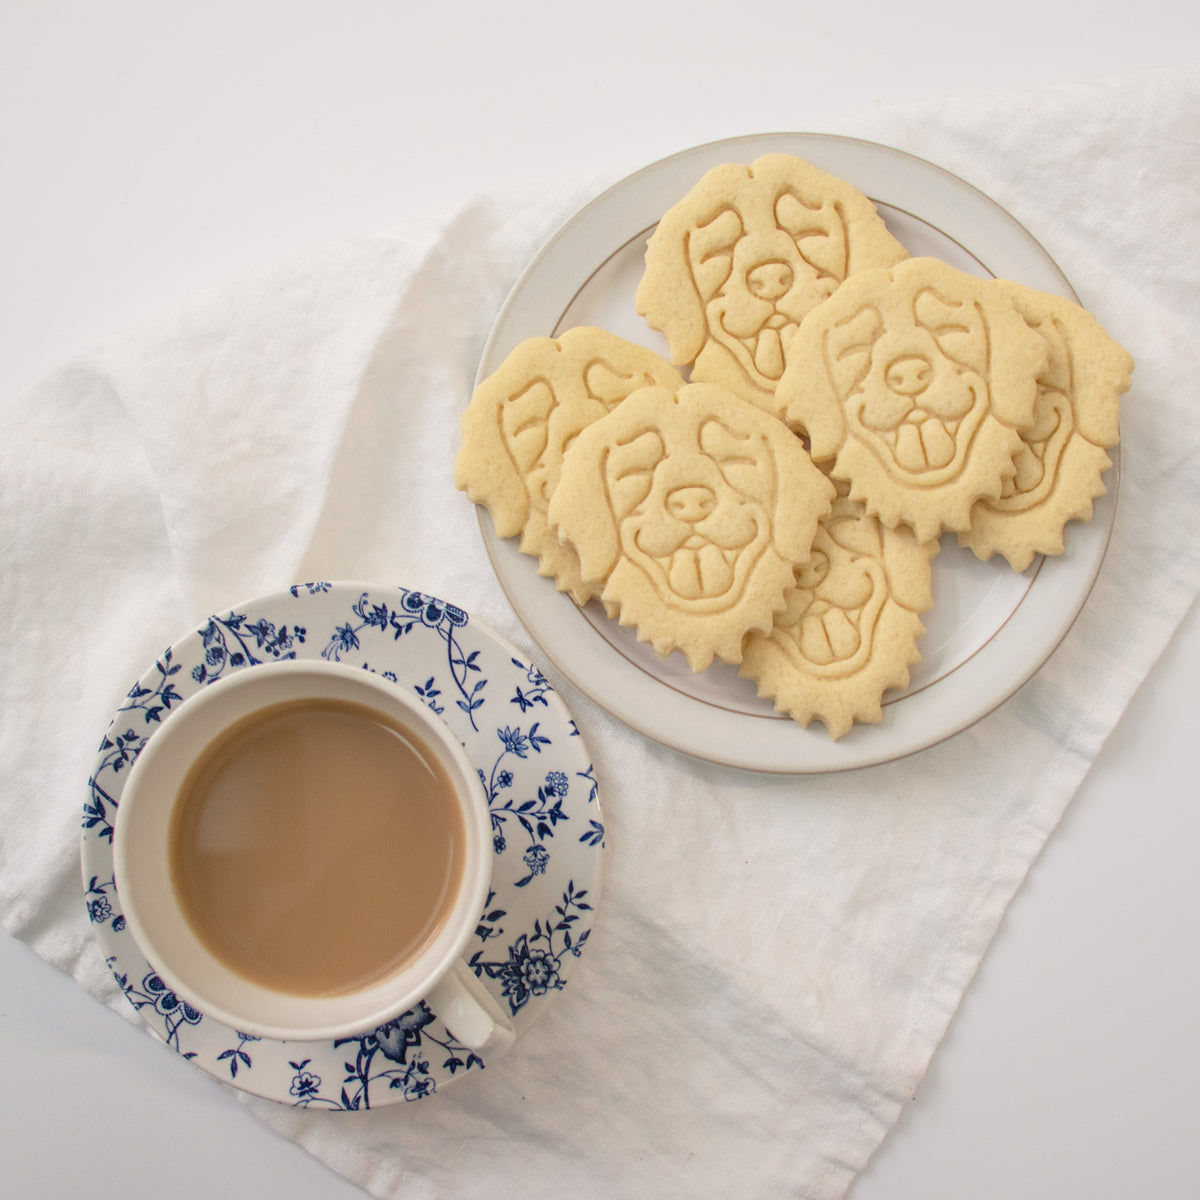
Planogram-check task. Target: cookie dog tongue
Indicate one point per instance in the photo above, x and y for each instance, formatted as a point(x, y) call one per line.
point(923, 442)
point(699, 568)
point(768, 353)
point(769, 346)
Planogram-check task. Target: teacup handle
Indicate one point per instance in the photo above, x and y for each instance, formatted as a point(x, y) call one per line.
point(469, 1011)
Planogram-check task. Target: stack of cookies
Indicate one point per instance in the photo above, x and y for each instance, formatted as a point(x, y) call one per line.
point(844, 406)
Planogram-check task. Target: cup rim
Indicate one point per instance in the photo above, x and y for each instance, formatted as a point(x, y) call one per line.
point(298, 1018)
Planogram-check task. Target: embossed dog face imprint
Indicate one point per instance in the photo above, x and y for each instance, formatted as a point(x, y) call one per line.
point(694, 507)
point(917, 381)
point(831, 616)
point(760, 264)
point(734, 268)
point(525, 415)
point(1061, 458)
point(857, 568)
point(850, 626)
point(914, 384)
point(1042, 444)
point(540, 421)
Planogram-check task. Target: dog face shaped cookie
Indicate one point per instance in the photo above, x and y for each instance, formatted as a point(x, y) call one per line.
point(733, 268)
point(850, 627)
point(522, 418)
point(917, 380)
point(1062, 456)
point(693, 507)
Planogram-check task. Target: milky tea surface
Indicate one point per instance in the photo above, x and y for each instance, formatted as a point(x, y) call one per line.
point(317, 847)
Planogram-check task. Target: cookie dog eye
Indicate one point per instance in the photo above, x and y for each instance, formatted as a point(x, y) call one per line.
point(810, 575)
point(851, 585)
point(819, 239)
point(523, 420)
point(957, 327)
point(608, 385)
point(848, 347)
point(740, 460)
point(710, 249)
point(630, 471)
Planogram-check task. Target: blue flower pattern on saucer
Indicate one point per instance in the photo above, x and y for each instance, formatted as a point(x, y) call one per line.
point(542, 798)
point(534, 965)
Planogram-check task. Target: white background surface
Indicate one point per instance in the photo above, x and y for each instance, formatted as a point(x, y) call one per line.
point(151, 150)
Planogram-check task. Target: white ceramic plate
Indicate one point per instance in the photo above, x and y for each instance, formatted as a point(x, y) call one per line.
point(990, 628)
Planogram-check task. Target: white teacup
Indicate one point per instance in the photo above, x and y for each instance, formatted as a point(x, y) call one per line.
point(157, 915)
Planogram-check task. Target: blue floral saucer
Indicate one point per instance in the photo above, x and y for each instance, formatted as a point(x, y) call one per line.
point(547, 831)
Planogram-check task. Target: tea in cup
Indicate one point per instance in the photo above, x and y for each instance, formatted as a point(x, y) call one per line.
point(303, 852)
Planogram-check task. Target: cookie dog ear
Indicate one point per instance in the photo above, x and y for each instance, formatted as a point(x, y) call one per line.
point(803, 495)
point(808, 393)
point(675, 311)
point(688, 259)
point(601, 482)
point(987, 335)
point(504, 435)
point(1084, 363)
point(909, 586)
point(849, 345)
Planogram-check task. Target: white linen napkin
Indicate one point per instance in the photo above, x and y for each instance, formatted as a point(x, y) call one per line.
point(775, 960)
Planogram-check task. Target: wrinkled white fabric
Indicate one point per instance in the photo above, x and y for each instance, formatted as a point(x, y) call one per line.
point(775, 960)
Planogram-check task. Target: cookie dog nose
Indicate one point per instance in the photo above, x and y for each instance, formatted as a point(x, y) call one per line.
point(691, 503)
point(769, 280)
point(909, 375)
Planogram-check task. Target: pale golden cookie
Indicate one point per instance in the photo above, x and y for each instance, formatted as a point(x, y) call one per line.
point(1061, 458)
point(850, 628)
point(917, 381)
point(523, 416)
point(693, 508)
point(735, 266)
